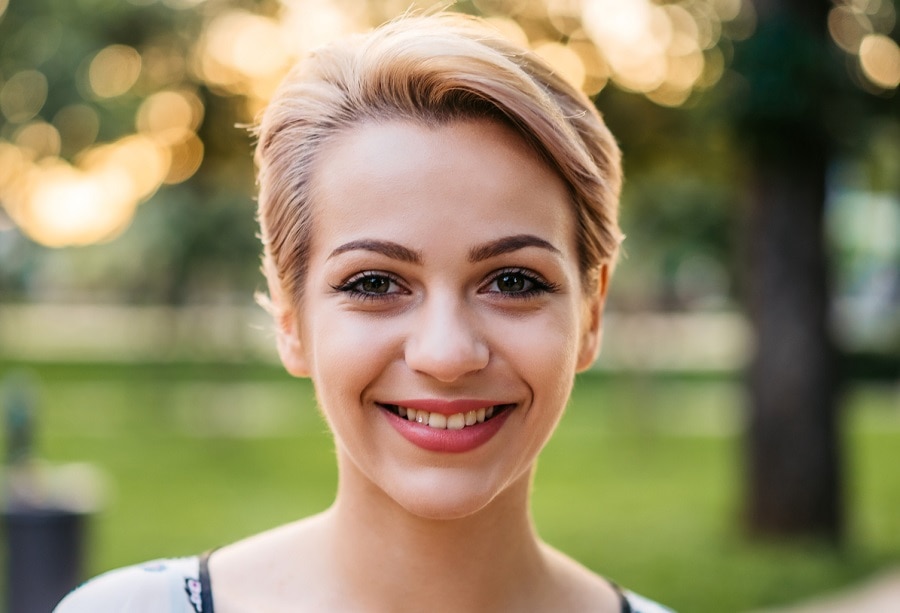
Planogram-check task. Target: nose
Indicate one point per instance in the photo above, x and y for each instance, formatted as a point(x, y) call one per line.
point(445, 343)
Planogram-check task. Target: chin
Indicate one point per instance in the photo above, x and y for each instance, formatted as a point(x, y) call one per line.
point(445, 494)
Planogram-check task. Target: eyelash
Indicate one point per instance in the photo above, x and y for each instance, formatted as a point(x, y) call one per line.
point(350, 286)
point(538, 285)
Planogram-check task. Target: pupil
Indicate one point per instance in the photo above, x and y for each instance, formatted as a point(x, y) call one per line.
point(375, 285)
point(511, 283)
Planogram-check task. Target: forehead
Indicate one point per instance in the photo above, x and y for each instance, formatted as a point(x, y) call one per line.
point(466, 174)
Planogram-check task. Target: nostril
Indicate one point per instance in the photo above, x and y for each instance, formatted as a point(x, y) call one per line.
point(446, 344)
point(447, 361)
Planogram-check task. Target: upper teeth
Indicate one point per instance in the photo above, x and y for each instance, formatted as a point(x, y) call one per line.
point(457, 421)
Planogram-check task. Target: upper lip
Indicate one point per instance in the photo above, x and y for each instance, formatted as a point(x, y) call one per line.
point(446, 407)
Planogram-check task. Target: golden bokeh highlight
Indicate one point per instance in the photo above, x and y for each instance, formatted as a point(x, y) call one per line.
point(658, 50)
point(727, 10)
point(78, 126)
point(140, 158)
point(663, 51)
point(848, 27)
point(861, 28)
point(564, 15)
point(170, 116)
point(171, 119)
point(245, 54)
point(564, 61)
point(23, 96)
point(59, 204)
point(879, 58)
point(597, 71)
point(75, 208)
point(509, 29)
point(114, 70)
point(713, 68)
point(161, 65)
point(307, 24)
point(186, 157)
point(38, 139)
point(13, 163)
point(4, 4)
point(220, 64)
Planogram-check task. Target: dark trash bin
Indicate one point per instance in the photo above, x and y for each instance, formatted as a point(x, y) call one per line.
point(45, 553)
point(44, 509)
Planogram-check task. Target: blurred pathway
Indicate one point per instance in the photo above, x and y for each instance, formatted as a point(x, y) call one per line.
point(880, 594)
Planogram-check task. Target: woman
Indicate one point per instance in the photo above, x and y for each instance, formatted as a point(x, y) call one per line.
point(438, 214)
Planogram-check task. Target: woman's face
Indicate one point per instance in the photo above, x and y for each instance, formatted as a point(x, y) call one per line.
point(443, 318)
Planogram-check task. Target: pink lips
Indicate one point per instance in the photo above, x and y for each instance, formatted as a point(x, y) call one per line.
point(447, 441)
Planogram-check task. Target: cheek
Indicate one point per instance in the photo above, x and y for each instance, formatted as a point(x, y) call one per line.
point(544, 346)
point(347, 353)
point(543, 354)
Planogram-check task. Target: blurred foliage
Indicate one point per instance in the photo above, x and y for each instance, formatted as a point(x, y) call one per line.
point(193, 240)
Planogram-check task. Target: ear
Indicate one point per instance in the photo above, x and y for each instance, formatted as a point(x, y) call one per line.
point(290, 349)
point(592, 333)
point(287, 339)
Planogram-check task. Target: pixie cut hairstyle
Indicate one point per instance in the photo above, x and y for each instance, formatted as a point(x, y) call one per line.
point(429, 70)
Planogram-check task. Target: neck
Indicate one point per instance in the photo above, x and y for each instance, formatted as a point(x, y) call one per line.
point(408, 562)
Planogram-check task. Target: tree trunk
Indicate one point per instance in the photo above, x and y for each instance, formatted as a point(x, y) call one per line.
point(793, 449)
point(793, 446)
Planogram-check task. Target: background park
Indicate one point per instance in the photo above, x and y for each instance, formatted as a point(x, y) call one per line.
point(737, 446)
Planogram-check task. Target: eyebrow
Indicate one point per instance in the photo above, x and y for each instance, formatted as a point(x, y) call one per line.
point(509, 244)
point(386, 248)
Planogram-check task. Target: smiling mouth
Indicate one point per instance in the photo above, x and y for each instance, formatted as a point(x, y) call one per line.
point(439, 421)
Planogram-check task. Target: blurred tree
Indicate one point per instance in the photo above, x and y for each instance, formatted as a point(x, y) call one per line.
point(796, 109)
point(92, 72)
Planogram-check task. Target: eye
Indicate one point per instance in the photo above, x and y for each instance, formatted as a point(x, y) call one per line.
point(516, 283)
point(374, 284)
point(370, 285)
point(513, 282)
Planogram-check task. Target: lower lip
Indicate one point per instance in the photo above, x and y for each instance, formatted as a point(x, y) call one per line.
point(447, 441)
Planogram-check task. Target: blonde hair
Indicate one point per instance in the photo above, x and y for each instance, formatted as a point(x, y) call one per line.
point(431, 69)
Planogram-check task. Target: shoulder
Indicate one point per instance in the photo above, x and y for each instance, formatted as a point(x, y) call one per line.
point(161, 586)
point(639, 604)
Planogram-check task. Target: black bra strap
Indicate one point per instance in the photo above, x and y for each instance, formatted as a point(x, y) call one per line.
point(206, 597)
point(623, 600)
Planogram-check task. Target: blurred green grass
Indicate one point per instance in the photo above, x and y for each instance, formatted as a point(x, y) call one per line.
point(642, 481)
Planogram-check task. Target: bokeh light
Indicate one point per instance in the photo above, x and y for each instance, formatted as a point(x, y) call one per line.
point(78, 126)
point(170, 116)
point(186, 156)
point(659, 50)
point(848, 27)
point(245, 54)
point(70, 207)
point(662, 51)
point(23, 96)
point(162, 65)
point(114, 70)
point(39, 139)
point(566, 62)
point(879, 57)
point(509, 29)
point(60, 204)
point(861, 28)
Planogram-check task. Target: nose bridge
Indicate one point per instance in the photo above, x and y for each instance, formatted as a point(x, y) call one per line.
point(446, 341)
